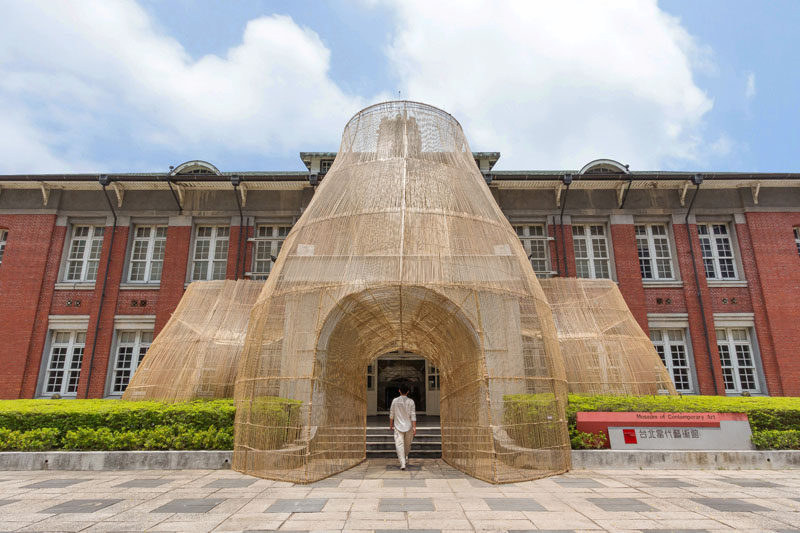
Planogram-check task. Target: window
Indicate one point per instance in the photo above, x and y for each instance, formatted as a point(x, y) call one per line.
point(84, 253)
point(325, 165)
point(4, 238)
point(210, 252)
point(64, 364)
point(433, 378)
point(796, 241)
point(131, 347)
point(534, 240)
point(717, 250)
point(738, 363)
point(655, 258)
point(671, 347)
point(591, 251)
point(269, 240)
point(147, 254)
point(370, 377)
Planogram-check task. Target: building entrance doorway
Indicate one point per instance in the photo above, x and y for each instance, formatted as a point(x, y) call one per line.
point(389, 371)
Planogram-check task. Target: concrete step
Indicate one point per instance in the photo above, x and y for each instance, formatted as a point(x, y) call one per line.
point(414, 446)
point(415, 454)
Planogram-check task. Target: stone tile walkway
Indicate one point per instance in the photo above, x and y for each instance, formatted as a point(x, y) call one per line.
point(376, 496)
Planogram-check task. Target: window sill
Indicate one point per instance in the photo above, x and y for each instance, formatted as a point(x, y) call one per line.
point(135, 286)
point(657, 284)
point(74, 286)
point(727, 283)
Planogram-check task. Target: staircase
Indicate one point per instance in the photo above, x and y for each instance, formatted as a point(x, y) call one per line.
point(427, 443)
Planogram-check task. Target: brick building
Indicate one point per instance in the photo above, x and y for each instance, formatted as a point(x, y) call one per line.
point(91, 267)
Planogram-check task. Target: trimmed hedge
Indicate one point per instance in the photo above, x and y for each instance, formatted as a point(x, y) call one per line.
point(772, 439)
point(33, 425)
point(116, 415)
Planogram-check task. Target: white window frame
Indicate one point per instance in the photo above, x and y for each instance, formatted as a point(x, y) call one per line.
point(529, 237)
point(91, 254)
point(326, 161)
point(796, 230)
point(732, 352)
point(265, 246)
point(714, 248)
point(669, 349)
point(649, 240)
point(592, 260)
point(152, 255)
point(142, 339)
point(214, 241)
point(74, 348)
point(434, 382)
point(4, 240)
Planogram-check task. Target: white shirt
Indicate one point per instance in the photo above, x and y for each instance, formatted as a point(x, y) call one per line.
point(403, 412)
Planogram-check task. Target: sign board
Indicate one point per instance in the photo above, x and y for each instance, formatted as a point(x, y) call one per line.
point(670, 431)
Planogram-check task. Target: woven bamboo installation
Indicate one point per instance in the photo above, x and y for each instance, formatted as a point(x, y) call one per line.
point(604, 349)
point(196, 354)
point(401, 248)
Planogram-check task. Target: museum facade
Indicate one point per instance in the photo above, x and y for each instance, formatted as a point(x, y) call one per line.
point(92, 267)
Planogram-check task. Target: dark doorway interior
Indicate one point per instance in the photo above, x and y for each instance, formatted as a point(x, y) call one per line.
point(392, 373)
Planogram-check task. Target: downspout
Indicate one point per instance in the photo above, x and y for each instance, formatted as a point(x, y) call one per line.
point(235, 181)
point(104, 181)
point(566, 180)
point(697, 179)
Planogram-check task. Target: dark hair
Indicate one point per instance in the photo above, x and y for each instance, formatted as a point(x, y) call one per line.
point(404, 388)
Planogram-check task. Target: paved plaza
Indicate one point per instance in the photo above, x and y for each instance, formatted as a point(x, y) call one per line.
point(376, 496)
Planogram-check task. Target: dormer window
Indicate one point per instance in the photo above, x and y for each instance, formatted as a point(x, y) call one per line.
point(604, 166)
point(195, 167)
point(325, 165)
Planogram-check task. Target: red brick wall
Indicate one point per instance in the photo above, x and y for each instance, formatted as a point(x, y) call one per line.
point(629, 276)
point(777, 264)
point(27, 257)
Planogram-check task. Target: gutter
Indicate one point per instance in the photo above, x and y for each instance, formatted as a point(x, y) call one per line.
point(104, 181)
point(698, 180)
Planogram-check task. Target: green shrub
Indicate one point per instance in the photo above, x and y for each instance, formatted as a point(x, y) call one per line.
point(772, 439)
point(581, 440)
point(157, 438)
point(29, 441)
point(116, 415)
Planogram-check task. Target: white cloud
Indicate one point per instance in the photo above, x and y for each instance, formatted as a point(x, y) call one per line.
point(750, 87)
point(78, 71)
point(554, 85)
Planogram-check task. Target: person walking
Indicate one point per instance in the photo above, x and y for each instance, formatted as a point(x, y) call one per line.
point(403, 421)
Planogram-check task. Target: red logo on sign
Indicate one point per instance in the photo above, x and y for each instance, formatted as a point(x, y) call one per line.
point(629, 435)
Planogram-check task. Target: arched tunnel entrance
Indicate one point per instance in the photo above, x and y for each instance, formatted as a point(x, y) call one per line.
point(501, 414)
point(372, 323)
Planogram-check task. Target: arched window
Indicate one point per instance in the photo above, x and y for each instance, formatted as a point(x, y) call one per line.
point(195, 167)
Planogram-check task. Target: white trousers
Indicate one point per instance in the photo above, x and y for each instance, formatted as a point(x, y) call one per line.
point(402, 443)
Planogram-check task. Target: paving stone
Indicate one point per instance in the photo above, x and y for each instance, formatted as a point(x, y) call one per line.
point(328, 482)
point(234, 483)
point(189, 505)
point(80, 506)
point(303, 505)
point(55, 483)
point(144, 483)
point(404, 530)
point(404, 483)
point(579, 483)
point(751, 482)
point(541, 531)
point(731, 505)
point(389, 505)
point(674, 531)
point(513, 504)
point(666, 482)
point(620, 504)
point(479, 483)
point(6, 502)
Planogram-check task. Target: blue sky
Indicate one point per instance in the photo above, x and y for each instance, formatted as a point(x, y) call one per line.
point(125, 86)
